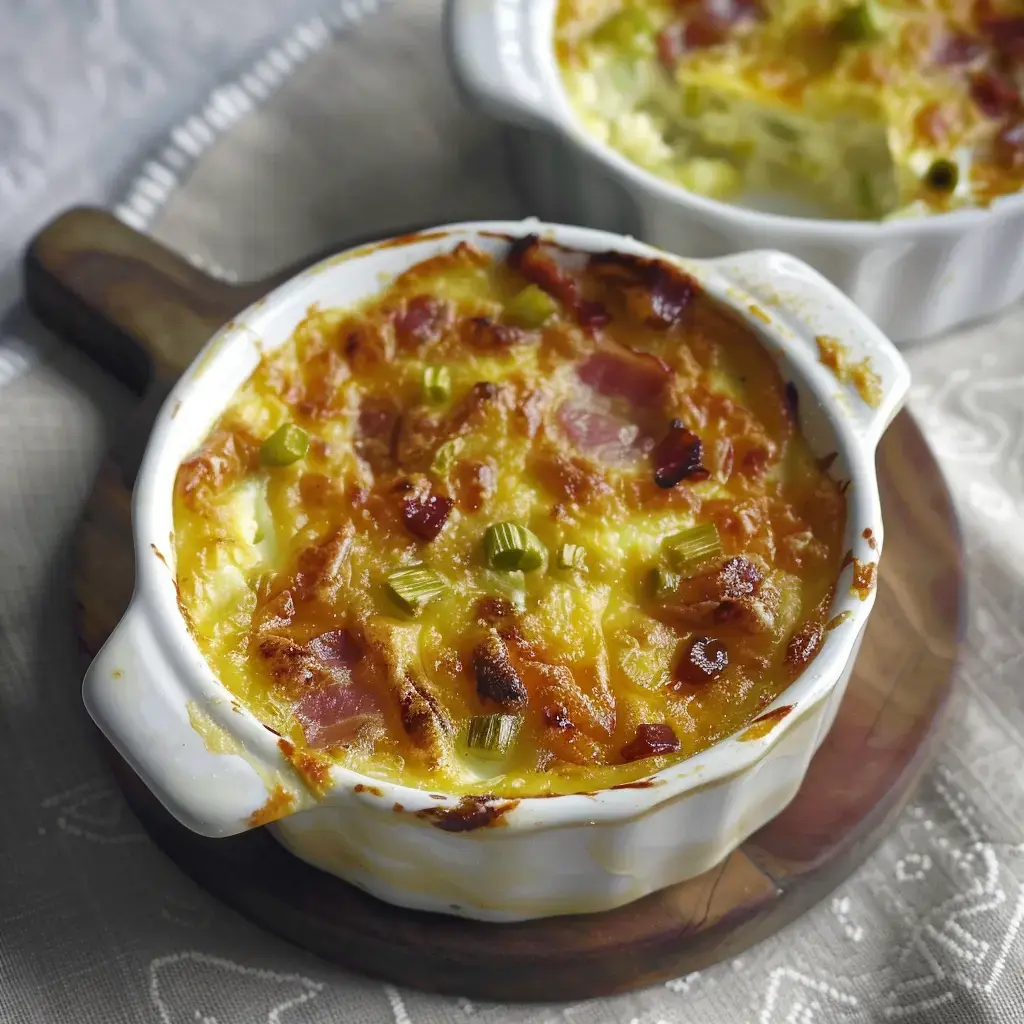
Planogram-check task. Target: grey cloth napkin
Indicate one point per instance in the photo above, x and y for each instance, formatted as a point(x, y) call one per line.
point(362, 133)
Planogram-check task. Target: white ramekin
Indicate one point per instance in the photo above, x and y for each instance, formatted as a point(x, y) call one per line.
point(214, 766)
point(915, 278)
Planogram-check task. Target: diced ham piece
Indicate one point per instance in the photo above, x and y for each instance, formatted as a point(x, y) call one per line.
point(424, 516)
point(703, 30)
point(1007, 34)
point(1009, 146)
point(332, 716)
point(670, 45)
point(994, 95)
point(636, 376)
point(958, 49)
point(734, 11)
point(377, 431)
point(601, 434)
point(421, 321)
point(678, 456)
point(337, 649)
point(705, 23)
point(649, 741)
point(529, 258)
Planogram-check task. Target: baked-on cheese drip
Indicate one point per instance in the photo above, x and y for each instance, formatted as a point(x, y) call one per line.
point(535, 524)
point(863, 108)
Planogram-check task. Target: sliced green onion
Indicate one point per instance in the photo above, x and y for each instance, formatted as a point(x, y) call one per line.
point(864, 188)
point(664, 583)
point(688, 550)
point(285, 445)
point(531, 307)
point(781, 130)
point(864, 22)
point(572, 556)
point(445, 456)
point(437, 384)
point(492, 735)
point(631, 30)
point(415, 587)
point(510, 546)
point(942, 175)
point(509, 585)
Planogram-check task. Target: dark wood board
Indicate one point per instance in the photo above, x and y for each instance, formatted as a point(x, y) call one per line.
point(142, 312)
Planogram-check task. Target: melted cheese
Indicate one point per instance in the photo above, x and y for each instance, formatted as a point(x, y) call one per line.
point(275, 564)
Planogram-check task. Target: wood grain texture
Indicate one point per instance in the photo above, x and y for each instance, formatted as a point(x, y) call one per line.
point(883, 738)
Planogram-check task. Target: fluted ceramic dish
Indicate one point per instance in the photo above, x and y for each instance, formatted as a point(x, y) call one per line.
point(915, 278)
point(220, 772)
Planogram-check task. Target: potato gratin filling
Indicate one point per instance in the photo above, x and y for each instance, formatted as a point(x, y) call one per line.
point(861, 108)
point(534, 525)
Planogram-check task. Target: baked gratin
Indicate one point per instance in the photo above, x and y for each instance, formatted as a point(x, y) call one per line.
point(537, 524)
point(861, 109)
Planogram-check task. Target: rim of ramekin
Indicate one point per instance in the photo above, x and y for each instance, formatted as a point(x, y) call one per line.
point(158, 600)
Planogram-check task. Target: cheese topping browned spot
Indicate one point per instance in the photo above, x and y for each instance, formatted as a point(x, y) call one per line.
point(864, 575)
point(472, 812)
point(419, 542)
point(833, 354)
point(279, 804)
point(836, 356)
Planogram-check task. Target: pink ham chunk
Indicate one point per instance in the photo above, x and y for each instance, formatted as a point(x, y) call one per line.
point(601, 434)
point(620, 372)
point(333, 715)
point(336, 649)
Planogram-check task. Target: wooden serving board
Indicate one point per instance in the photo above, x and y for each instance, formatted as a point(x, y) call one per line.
point(142, 312)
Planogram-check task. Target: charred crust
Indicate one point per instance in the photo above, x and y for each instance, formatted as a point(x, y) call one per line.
point(496, 677)
point(279, 804)
point(471, 813)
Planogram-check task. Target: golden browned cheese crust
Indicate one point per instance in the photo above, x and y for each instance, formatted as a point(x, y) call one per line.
point(613, 408)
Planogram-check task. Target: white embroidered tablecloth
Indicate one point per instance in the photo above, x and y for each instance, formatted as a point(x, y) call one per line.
point(128, 102)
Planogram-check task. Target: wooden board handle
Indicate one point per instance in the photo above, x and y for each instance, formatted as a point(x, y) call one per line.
point(132, 305)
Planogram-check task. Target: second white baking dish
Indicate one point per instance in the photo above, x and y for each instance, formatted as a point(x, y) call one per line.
point(914, 278)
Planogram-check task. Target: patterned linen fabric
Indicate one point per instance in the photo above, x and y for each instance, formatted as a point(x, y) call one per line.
point(320, 138)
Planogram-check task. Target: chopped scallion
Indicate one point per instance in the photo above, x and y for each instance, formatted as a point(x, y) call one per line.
point(509, 585)
point(532, 307)
point(864, 22)
point(688, 550)
point(285, 445)
point(510, 546)
point(631, 30)
point(572, 556)
point(437, 384)
point(445, 456)
point(414, 587)
point(664, 583)
point(492, 735)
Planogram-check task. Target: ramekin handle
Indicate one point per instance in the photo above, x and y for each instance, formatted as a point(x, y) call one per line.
point(808, 306)
point(491, 58)
point(133, 695)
